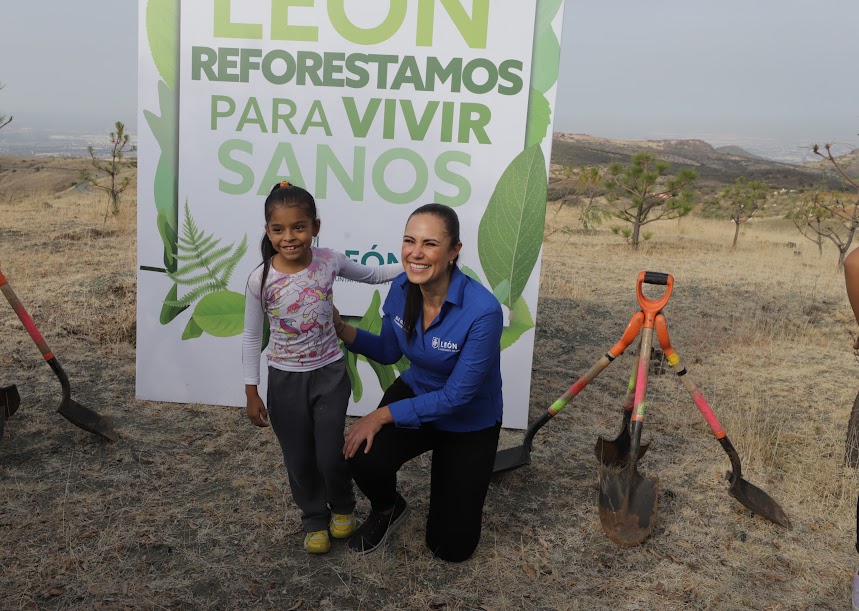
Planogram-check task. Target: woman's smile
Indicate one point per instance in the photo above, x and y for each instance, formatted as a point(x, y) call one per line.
point(427, 252)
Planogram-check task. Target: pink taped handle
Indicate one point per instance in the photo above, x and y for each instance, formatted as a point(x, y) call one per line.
point(708, 414)
point(29, 325)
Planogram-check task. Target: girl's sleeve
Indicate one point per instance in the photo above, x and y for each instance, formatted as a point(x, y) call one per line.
point(370, 274)
point(479, 355)
point(382, 348)
point(252, 336)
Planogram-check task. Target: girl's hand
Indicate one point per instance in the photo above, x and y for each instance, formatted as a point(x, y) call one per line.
point(256, 411)
point(338, 322)
point(365, 429)
point(344, 331)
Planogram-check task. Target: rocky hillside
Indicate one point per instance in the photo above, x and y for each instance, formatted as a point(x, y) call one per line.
point(715, 167)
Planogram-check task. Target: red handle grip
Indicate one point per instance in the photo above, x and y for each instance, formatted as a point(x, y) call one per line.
point(29, 325)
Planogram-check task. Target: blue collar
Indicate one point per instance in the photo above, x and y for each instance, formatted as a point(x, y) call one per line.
point(455, 290)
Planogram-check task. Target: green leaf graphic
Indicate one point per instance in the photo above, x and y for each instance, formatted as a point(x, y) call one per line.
point(206, 267)
point(539, 118)
point(402, 365)
point(502, 291)
point(372, 320)
point(168, 239)
point(162, 30)
point(192, 330)
point(520, 321)
point(352, 363)
point(386, 374)
point(221, 314)
point(471, 274)
point(544, 65)
point(354, 376)
point(169, 312)
point(546, 11)
point(511, 230)
point(165, 186)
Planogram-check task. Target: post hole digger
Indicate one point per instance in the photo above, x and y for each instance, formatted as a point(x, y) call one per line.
point(73, 411)
point(628, 499)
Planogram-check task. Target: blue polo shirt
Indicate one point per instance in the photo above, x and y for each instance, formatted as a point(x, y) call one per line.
point(455, 368)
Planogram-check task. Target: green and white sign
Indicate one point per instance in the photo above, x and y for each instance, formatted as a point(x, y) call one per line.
point(374, 106)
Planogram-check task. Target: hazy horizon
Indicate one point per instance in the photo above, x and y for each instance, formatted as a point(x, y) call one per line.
point(771, 76)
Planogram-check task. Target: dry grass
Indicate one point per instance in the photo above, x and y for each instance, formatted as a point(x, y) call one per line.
point(190, 510)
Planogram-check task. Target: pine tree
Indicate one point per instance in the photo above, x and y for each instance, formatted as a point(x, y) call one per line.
point(119, 141)
point(643, 192)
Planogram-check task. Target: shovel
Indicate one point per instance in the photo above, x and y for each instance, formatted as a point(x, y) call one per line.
point(746, 493)
point(627, 500)
point(71, 410)
point(615, 453)
point(10, 400)
point(519, 456)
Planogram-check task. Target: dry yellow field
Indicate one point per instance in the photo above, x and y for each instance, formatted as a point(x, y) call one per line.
point(191, 509)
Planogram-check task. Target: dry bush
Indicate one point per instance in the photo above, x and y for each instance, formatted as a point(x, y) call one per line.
point(191, 508)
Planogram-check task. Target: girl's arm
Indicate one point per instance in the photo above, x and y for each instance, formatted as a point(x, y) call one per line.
point(252, 336)
point(370, 274)
point(251, 341)
point(478, 356)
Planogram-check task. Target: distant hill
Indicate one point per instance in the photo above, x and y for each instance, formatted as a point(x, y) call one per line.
point(715, 167)
point(47, 175)
point(849, 163)
point(738, 151)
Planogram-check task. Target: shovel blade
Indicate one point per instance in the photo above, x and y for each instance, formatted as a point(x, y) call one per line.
point(758, 501)
point(615, 453)
point(627, 505)
point(10, 400)
point(512, 458)
point(86, 419)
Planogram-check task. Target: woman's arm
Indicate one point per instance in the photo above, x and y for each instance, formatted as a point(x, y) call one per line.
point(382, 348)
point(479, 354)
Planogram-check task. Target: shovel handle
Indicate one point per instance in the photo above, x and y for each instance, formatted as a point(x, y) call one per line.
point(674, 360)
point(28, 323)
point(652, 307)
point(628, 337)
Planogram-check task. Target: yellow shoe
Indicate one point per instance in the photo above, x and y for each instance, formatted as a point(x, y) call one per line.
point(317, 542)
point(342, 525)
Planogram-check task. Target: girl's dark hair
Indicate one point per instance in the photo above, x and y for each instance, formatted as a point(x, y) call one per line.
point(414, 297)
point(283, 195)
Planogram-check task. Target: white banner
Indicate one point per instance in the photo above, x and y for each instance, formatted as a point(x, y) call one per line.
point(374, 106)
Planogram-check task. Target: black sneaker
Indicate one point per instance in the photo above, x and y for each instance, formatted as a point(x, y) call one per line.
point(371, 535)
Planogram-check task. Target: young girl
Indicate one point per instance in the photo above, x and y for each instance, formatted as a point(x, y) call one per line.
point(308, 387)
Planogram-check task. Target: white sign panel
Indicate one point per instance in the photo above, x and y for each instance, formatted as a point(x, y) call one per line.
point(375, 107)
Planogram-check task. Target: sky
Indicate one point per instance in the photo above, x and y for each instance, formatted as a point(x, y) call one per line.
point(727, 71)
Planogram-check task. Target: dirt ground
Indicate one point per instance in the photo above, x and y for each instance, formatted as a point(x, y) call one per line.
point(190, 509)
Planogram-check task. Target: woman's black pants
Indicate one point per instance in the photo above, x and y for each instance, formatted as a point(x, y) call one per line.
point(461, 466)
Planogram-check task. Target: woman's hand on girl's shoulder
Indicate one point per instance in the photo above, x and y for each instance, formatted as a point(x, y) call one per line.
point(256, 411)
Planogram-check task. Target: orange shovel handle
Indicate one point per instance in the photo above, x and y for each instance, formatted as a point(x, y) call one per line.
point(652, 307)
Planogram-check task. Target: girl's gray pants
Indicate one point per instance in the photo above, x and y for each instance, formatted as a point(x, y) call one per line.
point(307, 411)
